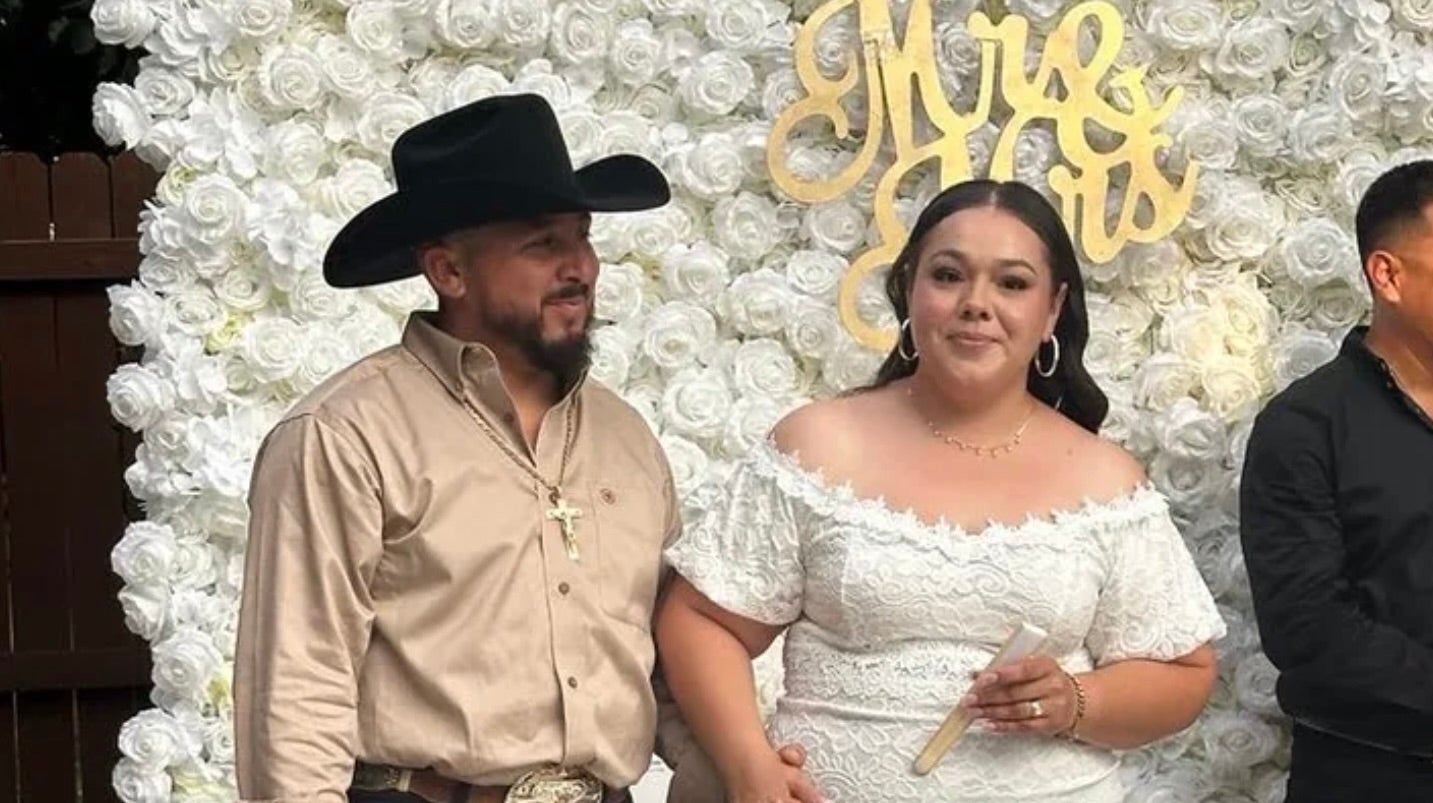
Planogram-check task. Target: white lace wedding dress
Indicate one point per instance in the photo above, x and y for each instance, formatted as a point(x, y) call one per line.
point(889, 616)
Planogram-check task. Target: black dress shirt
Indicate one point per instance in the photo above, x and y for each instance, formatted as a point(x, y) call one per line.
point(1336, 508)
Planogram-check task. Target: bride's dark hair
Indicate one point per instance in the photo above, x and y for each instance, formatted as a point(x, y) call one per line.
point(1071, 389)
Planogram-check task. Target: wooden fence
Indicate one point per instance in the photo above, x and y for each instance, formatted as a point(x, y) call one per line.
point(70, 673)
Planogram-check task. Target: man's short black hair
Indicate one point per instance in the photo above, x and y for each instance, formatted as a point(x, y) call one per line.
point(1394, 200)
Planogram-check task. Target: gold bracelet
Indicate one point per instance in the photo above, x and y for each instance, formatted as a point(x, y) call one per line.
point(1080, 702)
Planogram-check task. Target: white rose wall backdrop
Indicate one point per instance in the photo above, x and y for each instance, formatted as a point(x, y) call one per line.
point(272, 121)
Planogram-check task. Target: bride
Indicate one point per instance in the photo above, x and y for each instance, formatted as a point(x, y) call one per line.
point(899, 534)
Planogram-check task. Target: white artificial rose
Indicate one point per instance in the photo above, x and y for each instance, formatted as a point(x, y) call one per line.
point(1357, 83)
point(1338, 306)
point(757, 303)
point(1358, 170)
point(1195, 332)
point(385, 116)
point(717, 83)
point(313, 299)
point(613, 350)
point(356, 184)
point(145, 608)
point(145, 555)
point(1270, 784)
point(1298, 351)
point(1261, 123)
point(136, 315)
point(838, 44)
point(348, 69)
point(1317, 250)
point(688, 462)
point(678, 334)
point(1319, 134)
point(1238, 739)
point(138, 396)
point(1244, 225)
point(636, 55)
point(155, 740)
point(216, 208)
point(1250, 51)
point(375, 27)
point(260, 19)
point(1164, 379)
point(134, 783)
point(1248, 317)
point(619, 292)
point(1415, 14)
point(781, 89)
point(745, 226)
point(219, 741)
point(1254, 680)
point(712, 166)
point(812, 328)
point(272, 347)
point(294, 151)
point(1298, 16)
point(579, 34)
point(465, 24)
point(1206, 133)
point(654, 232)
point(186, 662)
point(850, 365)
point(836, 226)
point(199, 382)
point(324, 354)
point(126, 23)
point(763, 367)
point(748, 424)
point(696, 403)
point(816, 273)
point(1185, 24)
point(1186, 430)
point(739, 24)
point(183, 40)
point(195, 311)
point(1303, 196)
point(120, 116)
point(404, 296)
point(1188, 484)
point(291, 79)
point(1035, 152)
point(243, 290)
point(165, 92)
point(698, 272)
point(523, 25)
point(1217, 551)
point(1231, 386)
point(627, 132)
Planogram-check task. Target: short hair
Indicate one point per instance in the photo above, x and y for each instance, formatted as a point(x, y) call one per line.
point(1394, 200)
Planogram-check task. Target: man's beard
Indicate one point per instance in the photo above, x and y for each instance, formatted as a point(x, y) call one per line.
point(564, 358)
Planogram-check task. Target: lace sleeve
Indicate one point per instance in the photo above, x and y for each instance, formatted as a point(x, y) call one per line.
point(745, 553)
point(1154, 603)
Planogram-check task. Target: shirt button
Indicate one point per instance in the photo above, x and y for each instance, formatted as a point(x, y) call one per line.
point(571, 682)
point(508, 418)
point(608, 496)
point(563, 588)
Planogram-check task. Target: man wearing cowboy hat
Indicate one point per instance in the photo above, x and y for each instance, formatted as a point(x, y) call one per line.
point(455, 544)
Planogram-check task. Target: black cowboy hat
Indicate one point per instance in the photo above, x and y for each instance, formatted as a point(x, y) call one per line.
point(500, 158)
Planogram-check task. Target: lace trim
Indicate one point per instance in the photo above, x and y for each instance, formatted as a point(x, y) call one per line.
point(840, 502)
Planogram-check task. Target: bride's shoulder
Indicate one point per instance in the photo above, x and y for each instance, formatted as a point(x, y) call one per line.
point(1104, 468)
point(823, 434)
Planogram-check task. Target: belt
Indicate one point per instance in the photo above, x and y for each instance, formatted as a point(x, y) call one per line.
point(1330, 733)
point(546, 785)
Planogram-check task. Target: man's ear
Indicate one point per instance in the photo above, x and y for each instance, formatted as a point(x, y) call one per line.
point(442, 263)
point(1384, 272)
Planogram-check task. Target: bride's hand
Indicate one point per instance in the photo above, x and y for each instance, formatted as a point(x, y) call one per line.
point(1033, 695)
point(774, 777)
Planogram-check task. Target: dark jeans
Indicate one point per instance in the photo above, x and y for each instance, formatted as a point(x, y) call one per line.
point(361, 796)
point(1327, 769)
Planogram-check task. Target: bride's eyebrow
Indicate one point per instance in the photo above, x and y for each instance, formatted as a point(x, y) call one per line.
point(962, 258)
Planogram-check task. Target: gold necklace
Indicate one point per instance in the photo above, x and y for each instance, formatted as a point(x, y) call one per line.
point(564, 514)
point(1005, 447)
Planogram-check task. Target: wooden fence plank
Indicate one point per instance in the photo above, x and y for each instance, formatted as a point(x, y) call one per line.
point(24, 197)
point(132, 182)
point(54, 670)
point(46, 738)
point(68, 260)
point(8, 791)
point(80, 197)
point(101, 715)
point(90, 445)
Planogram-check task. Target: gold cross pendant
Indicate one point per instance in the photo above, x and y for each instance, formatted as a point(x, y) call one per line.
point(566, 516)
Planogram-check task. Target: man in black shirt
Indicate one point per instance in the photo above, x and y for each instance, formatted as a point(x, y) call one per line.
point(1337, 526)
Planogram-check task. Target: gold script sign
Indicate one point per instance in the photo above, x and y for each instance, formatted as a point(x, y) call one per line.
point(895, 73)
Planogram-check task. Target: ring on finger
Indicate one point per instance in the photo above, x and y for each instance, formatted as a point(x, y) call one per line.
point(1036, 710)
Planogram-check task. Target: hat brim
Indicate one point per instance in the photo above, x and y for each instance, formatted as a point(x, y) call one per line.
point(377, 245)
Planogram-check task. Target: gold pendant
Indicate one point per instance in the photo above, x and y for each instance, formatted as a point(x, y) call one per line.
point(566, 516)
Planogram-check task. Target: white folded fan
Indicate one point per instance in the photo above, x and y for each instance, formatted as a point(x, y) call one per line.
point(1025, 641)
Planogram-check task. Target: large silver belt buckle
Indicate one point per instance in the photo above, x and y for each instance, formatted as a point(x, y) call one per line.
point(556, 785)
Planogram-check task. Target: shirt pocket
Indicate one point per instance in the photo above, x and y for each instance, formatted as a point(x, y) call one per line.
point(631, 523)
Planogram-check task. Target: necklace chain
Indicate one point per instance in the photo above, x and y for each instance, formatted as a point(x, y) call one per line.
point(554, 490)
point(1005, 447)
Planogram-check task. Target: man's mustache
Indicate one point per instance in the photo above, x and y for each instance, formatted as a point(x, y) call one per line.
point(582, 291)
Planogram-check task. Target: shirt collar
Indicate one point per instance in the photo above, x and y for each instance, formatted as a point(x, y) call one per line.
point(1355, 346)
point(468, 370)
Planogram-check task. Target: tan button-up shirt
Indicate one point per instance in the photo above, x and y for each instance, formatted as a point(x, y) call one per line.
point(407, 600)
